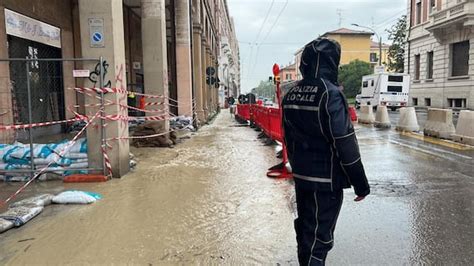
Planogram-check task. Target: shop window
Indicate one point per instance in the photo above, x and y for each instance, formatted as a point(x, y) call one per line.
point(428, 102)
point(415, 101)
point(460, 59)
point(429, 65)
point(457, 103)
point(417, 67)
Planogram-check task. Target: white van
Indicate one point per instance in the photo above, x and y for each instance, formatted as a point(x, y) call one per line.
point(389, 89)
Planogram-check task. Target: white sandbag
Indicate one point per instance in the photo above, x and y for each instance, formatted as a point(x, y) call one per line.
point(79, 147)
point(22, 152)
point(74, 197)
point(6, 166)
point(79, 161)
point(5, 225)
point(75, 155)
point(45, 161)
point(37, 201)
point(6, 151)
point(14, 178)
point(21, 215)
point(58, 147)
point(79, 165)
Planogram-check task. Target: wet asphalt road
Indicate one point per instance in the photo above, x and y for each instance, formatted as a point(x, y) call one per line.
point(208, 202)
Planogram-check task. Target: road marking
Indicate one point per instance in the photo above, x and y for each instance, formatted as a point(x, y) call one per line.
point(433, 149)
point(441, 142)
point(430, 152)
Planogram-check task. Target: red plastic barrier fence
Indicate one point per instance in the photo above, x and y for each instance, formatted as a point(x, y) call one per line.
point(258, 115)
point(265, 121)
point(252, 113)
point(243, 111)
point(275, 129)
point(353, 114)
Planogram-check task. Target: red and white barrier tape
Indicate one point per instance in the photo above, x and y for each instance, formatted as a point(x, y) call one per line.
point(42, 124)
point(139, 137)
point(100, 90)
point(149, 136)
point(108, 164)
point(93, 105)
point(151, 96)
point(133, 118)
point(143, 110)
point(62, 153)
point(155, 103)
point(117, 90)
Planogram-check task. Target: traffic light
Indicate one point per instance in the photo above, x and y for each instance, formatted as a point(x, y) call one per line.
point(277, 79)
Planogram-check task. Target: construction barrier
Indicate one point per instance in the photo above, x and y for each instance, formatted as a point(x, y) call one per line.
point(265, 121)
point(381, 117)
point(366, 115)
point(274, 119)
point(243, 111)
point(439, 123)
point(465, 128)
point(252, 108)
point(353, 113)
point(408, 120)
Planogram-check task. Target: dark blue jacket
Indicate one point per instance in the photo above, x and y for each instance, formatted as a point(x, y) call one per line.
point(320, 138)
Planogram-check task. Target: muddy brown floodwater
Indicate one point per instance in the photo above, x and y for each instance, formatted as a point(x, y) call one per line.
point(207, 201)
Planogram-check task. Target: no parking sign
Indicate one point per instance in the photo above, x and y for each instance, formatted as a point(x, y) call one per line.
point(96, 32)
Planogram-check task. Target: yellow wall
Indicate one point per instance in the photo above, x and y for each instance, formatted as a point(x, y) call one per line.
point(384, 54)
point(353, 47)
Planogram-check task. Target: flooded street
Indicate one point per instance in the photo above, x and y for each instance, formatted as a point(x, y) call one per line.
point(208, 201)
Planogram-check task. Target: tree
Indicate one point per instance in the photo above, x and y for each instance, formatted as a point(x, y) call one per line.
point(350, 76)
point(396, 54)
point(265, 89)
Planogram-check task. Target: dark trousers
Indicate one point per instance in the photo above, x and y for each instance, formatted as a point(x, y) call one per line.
point(317, 217)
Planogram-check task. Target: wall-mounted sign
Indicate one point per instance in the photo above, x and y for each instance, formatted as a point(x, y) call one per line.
point(28, 28)
point(96, 32)
point(81, 73)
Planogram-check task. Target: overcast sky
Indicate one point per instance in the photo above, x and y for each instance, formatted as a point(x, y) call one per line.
point(300, 22)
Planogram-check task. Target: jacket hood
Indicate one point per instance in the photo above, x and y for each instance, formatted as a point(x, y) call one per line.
point(320, 59)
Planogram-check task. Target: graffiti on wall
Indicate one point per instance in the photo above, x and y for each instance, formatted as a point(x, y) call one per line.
point(95, 75)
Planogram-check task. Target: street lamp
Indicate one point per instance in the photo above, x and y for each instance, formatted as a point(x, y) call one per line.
point(378, 36)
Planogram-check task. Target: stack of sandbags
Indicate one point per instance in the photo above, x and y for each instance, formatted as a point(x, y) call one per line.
point(182, 123)
point(152, 128)
point(17, 156)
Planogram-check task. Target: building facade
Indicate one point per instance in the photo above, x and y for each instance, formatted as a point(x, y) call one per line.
point(288, 73)
point(156, 47)
point(355, 45)
point(375, 53)
point(440, 53)
point(229, 54)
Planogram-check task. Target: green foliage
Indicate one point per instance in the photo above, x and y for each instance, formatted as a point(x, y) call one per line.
point(396, 53)
point(350, 76)
point(265, 89)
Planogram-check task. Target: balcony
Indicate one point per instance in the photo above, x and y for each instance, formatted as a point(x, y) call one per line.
point(457, 15)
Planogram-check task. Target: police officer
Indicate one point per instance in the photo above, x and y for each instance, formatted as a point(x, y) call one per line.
point(322, 150)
